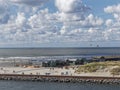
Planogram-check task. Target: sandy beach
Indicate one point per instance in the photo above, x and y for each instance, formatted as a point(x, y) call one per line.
point(9, 67)
point(49, 71)
point(37, 71)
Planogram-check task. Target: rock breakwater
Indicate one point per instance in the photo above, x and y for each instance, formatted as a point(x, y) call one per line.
point(61, 79)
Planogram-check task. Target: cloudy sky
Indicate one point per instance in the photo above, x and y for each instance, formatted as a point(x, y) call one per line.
point(59, 23)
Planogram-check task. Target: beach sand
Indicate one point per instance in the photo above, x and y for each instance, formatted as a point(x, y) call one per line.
point(49, 71)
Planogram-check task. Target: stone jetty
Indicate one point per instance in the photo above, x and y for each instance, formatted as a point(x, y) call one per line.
point(64, 79)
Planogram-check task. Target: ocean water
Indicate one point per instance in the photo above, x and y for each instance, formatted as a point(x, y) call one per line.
point(35, 52)
point(24, 85)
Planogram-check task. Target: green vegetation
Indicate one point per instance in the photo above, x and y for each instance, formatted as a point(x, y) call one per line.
point(115, 71)
point(93, 67)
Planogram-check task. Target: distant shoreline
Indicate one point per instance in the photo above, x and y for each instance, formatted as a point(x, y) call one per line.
point(55, 47)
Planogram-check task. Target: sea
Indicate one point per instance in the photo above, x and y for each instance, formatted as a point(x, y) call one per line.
point(36, 52)
point(24, 85)
point(56, 52)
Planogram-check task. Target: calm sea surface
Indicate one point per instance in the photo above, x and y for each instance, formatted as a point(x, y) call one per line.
point(33, 52)
point(19, 85)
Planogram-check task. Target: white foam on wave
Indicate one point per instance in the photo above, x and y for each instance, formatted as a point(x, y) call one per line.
point(42, 58)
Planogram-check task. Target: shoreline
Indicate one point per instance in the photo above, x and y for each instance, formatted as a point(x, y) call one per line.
point(102, 72)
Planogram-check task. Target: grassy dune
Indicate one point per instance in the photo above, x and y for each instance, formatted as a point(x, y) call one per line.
point(111, 66)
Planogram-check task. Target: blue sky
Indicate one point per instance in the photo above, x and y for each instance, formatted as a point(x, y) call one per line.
point(98, 6)
point(59, 23)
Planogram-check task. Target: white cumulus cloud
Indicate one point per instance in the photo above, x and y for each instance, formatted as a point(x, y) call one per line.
point(112, 31)
point(23, 21)
point(30, 2)
point(71, 6)
point(72, 9)
point(112, 9)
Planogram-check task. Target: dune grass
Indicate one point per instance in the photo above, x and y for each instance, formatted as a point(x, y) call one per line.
point(93, 67)
point(115, 71)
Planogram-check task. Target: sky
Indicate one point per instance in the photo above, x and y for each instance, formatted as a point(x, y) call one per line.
point(59, 23)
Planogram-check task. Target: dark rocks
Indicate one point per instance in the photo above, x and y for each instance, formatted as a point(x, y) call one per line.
point(61, 79)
